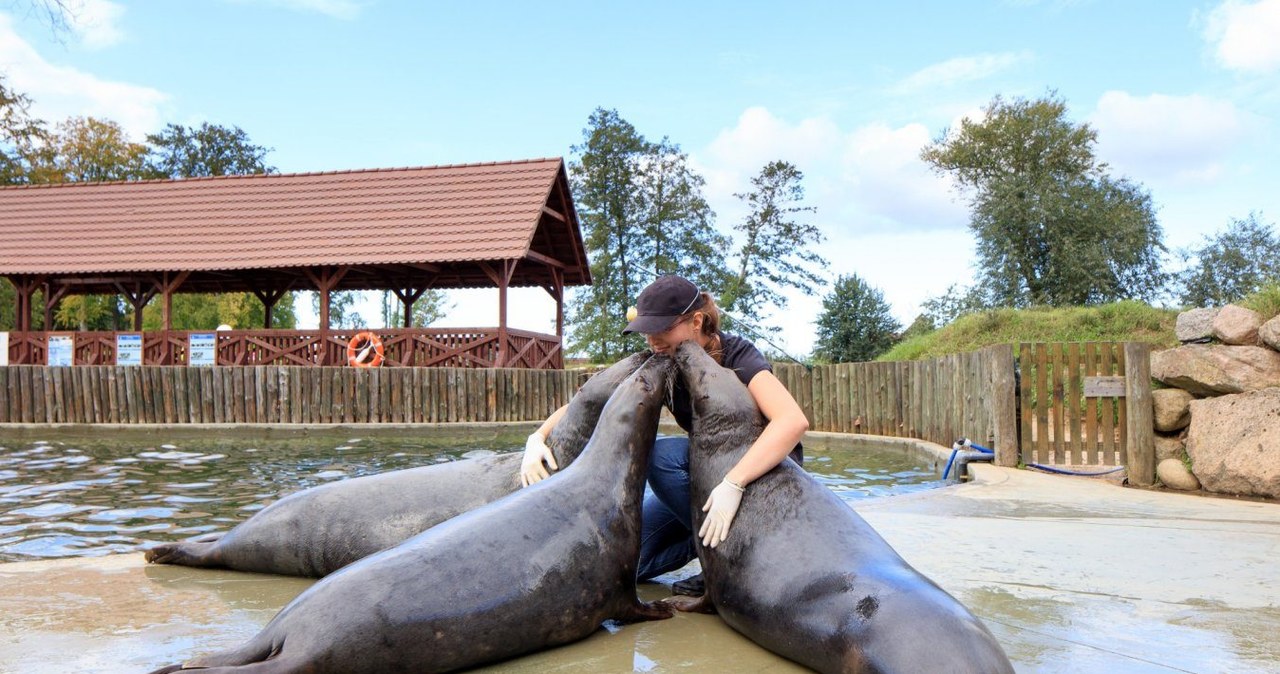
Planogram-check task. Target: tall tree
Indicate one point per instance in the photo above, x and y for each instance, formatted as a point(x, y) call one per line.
point(776, 250)
point(21, 137)
point(856, 324)
point(207, 150)
point(1052, 226)
point(87, 149)
point(430, 307)
point(642, 213)
point(1231, 264)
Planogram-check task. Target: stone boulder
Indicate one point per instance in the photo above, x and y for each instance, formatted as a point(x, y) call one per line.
point(1237, 325)
point(1269, 333)
point(1214, 369)
point(1172, 409)
point(1170, 447)
point(1195, 325)
point(1234, 443)
point(1174, 475)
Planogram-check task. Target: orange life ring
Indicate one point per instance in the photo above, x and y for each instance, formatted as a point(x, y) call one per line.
point(364, 350)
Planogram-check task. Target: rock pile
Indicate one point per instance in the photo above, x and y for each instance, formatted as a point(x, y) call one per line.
point(1222, 411)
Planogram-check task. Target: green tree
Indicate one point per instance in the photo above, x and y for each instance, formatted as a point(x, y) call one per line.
point(642, 213)
point(1231, 264)
point(207, 150)
point(342, 308)
point(776, 251)
point(1052, 226)
point(87, 149)
point(856, 324)
point(954, 303)
point(430, 307)
point(206, 311)
point(21, 137)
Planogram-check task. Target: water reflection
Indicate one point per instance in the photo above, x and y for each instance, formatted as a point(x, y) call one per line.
point(95, 497)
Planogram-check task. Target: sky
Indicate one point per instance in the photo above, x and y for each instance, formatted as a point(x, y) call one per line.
point(1184, 96)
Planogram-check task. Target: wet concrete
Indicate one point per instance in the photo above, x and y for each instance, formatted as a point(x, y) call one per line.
point(1071, 575)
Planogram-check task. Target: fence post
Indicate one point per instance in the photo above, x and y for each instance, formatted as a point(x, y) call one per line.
point(1139, 430)
point(1004, 405)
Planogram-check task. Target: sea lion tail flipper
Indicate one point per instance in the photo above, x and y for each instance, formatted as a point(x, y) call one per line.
point(639, 611)
point(686, 604)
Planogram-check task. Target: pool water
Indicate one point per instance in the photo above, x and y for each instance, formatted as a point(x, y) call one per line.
point(77, 497)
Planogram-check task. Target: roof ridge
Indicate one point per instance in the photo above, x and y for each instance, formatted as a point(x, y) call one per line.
point(250, 176)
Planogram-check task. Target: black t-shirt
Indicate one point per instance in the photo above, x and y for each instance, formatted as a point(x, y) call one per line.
point(746, 361)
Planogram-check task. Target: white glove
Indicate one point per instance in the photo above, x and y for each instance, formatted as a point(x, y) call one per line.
point(536, 452)
point(721, 506)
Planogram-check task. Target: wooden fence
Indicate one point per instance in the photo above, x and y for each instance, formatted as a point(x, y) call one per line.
point(277, 395)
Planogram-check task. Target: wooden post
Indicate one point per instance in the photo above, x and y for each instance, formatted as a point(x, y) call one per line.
point(269, 298)
point(51, 299)
point(1139, 426)
point(168, 285)
point(1004, 396)
point(325, 280)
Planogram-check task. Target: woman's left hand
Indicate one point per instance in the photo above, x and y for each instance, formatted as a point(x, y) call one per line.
point(721, 506)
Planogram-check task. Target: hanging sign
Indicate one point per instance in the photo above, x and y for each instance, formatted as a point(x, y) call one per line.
point(1104, 387)
point(4, 349)
point(202, 349)
point(129, 349)
point(61, 350)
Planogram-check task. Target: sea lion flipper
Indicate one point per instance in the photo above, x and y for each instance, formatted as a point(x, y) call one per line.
point(185, 553)
point(640, 611)
point(686, 604)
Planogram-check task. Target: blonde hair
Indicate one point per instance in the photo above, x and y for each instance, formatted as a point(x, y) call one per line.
point(710, 325)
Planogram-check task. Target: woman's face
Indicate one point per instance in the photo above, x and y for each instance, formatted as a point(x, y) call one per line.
point(682, 331)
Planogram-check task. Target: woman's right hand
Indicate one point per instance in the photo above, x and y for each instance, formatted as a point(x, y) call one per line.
point(537, 458)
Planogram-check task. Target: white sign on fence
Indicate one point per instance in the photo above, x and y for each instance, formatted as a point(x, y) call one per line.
point(202, 349)
point(4, 349)
point(61, 350)
point(128, 349)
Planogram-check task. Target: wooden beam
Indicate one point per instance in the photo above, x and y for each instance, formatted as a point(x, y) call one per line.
point(424, 266)
point(554, 213)
point(535, 256)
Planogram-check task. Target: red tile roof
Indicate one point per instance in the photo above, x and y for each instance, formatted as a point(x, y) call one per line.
point(437, 214)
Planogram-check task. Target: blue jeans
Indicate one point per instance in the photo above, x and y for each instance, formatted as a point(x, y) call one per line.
point(666, 529)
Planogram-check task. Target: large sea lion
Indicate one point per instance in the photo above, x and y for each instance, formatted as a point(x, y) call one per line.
point(541, 567)
point(320, 530)
point(801, 573)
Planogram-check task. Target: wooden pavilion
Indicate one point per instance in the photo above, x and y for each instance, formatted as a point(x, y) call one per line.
point(407, 230)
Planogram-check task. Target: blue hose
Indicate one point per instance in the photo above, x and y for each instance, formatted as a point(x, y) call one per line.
point(1060, 471)
point(962, 443)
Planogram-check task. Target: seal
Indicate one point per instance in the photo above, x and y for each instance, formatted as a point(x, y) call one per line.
point(317, 531)
point(802, 574)
point(541, 567)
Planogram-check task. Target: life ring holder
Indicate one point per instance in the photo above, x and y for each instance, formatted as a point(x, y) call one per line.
point(365, 350)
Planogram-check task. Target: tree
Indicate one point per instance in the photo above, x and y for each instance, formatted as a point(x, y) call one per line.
point(207, 150)
point(954, 303)
point(430, 307)
point(342, 311)
point(775, 252)
point(21, 137)
point(87, 149)
point(855, 324)
point(1232, 264)
point(1052, 226)
point(642, 214)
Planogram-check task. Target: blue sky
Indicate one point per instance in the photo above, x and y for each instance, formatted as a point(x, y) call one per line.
point(1185, 97)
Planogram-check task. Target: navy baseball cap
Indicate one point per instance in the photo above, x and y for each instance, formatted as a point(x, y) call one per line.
point(662, 302)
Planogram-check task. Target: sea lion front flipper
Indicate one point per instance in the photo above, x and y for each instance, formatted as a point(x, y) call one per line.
point(686, 604)
point(641, 611)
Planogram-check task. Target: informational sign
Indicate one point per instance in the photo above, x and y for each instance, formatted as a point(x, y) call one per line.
point(202, 349)
point(61, 350)
point(4, 349)
point(128, 349)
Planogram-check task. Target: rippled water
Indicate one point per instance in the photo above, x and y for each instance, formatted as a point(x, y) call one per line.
point(68, 498)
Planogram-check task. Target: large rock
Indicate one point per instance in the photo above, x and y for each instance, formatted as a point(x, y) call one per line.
point(1214, 369)
point(1269, 333)
point(1172, 409)
point(1195, 325)
point(1170, 447)
point(1234, 443)
point(1174, 474)
point(1237, 325)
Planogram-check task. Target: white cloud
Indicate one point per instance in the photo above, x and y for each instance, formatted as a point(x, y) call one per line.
point(1181, 140)
point(961, 70)
point(59, 92)
point(95, 22)
point(1246, 36)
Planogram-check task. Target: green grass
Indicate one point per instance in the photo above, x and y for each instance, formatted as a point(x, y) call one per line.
point(1266, 301)
point(1127, 321)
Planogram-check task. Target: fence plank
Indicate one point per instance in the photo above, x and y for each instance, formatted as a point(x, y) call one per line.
point(1140, 457)
point(1106, 364)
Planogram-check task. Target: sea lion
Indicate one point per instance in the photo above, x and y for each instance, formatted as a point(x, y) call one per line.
point(541, 567)
point(317, 531)
point(802, 574)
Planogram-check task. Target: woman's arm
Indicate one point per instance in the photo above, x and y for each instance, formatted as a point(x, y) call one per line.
point(787, 425)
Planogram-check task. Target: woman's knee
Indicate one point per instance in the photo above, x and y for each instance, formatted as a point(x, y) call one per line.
point(670, 454)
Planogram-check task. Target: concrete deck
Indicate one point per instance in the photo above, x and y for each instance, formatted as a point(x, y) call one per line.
point(1072, 575)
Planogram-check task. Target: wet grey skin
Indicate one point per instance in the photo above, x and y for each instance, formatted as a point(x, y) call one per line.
point(542, 567)
point(803, 575)
point(317, 531)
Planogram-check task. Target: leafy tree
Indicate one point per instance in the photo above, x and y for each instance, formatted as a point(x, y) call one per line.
point(775, 252)
point(21, 137)
point(208, 150)
point(430, 307)
point(1232, 264)
point(954, 303)
point(856, 324)
point(87, 149)
point(1052, 226)
point(342, 308)
point(206, 311)
point(642, 213)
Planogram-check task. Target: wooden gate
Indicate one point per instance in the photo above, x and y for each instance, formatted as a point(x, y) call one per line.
point(1086, 403)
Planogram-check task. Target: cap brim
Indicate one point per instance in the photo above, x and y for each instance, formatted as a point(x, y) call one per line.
point(650, 325)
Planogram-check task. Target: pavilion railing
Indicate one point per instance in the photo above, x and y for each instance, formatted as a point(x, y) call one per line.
point(402, 347)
